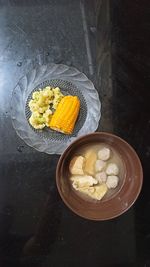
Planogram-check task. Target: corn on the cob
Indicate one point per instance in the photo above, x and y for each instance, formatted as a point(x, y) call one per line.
point(65, 116)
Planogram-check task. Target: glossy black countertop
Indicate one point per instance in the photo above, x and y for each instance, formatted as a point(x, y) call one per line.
point(108, 41)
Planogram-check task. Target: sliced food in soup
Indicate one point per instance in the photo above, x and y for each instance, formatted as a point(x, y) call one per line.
point(76, 165)
point(97, 192)
point(82, 181)
point(90, 159)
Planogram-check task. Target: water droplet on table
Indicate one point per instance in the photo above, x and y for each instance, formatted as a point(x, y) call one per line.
point(19, 64)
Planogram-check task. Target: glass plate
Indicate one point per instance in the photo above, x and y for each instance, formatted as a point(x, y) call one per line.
point(70, 81)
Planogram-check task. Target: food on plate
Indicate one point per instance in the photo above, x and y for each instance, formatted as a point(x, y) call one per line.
point(42, 104)
point(94, 171)
point(76, 165)
point(37, 120)
point(49, 107)
point(47, 115)
point(99, 165)
point(112, 169)
point(101, 177)
point(65, 116)
point(112, 181)
point(82, 181)
point(90, 159)
point(104, 153)
point(57, 97)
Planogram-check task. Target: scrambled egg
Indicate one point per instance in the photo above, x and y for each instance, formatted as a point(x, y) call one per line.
point(42, 105)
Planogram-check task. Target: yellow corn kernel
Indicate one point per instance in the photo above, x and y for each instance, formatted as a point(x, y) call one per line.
point(65, 116)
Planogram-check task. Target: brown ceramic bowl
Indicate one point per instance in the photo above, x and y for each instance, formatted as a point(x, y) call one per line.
point(125, 195)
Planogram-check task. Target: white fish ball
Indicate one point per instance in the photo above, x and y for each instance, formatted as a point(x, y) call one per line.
point(112, 169)
point(99, 165)
point(112, 181)
point(104, 153)
point(101, 177)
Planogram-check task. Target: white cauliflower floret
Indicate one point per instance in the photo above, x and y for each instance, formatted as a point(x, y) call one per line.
point(43, 109)
point(104, 153)
point(57, 97)
point(33, 106)
point(47, 92)
point(37, 121)
point(112, 169)
point(36, 95)
point(41, 101)
point(55, 104)
point(41, 104)
point(56, 101)
point(56, 90)
point(47, 116)
point(112, 181)
point(47, 88)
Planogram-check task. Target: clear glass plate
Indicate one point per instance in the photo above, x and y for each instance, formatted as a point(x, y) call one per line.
point(71, 81)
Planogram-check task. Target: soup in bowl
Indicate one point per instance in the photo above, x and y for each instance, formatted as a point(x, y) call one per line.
point(99, 176)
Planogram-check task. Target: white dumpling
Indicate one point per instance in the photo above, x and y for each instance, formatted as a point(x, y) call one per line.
point(112, 181)
point(101, 177)
point(112, 169)
point(104, 153)
point(99, 165)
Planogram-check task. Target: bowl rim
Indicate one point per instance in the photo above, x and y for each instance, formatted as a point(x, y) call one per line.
point(140, 175)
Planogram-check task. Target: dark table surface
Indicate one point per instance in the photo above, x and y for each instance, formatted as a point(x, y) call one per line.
point(109, 41)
